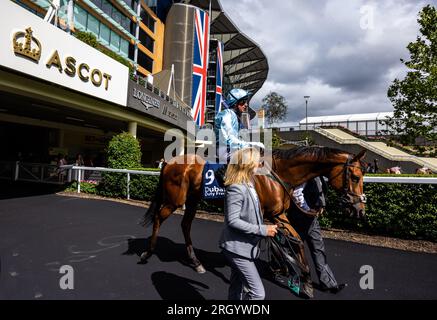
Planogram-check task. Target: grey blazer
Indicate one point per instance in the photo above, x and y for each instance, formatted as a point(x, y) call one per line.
point(244, 226)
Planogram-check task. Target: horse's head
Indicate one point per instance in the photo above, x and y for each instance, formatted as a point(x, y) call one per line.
point(348, 179)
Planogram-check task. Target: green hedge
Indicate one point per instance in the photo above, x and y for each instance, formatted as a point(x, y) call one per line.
point(400, 210)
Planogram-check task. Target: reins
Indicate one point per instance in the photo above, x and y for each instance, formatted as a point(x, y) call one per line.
point(283, 184)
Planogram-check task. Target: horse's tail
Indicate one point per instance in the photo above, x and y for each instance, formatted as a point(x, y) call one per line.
point(156, 201)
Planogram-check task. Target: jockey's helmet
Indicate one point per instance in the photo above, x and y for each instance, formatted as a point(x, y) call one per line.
point(236, 95)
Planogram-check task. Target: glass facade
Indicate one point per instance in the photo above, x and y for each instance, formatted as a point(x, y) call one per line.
point(87, 22)
point(115, 14)
point(105, 24)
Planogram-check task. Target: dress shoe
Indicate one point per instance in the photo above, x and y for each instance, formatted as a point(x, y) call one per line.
point(335, 289)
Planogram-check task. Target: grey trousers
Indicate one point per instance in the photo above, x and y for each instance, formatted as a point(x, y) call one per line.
point(310, 232)
point(245, 280)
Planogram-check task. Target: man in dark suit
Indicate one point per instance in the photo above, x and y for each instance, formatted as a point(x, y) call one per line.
point(309, 230)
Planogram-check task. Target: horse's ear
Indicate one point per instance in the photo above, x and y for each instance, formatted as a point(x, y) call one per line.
point(360, 156)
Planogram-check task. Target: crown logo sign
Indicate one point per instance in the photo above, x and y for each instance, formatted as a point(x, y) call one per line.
point(25, 49)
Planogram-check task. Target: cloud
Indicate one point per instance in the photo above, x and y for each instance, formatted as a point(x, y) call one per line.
point(344, 54)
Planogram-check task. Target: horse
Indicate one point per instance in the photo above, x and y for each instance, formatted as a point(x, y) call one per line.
point(180, 183)
point(423, 170)
point(394, 170)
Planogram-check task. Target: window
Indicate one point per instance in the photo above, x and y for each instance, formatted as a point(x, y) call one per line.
point(125, 23)
point(116, 15)
point(133, 27)
point(105, 33)
point(124, 47)
point(93, 24)
point(147, 20)
point(97, 3)
point(152, 4)
point(146, 40)
point(106, 7)
point(80, 17)
point(115, 41)
point(131, 51)
point(145, 61)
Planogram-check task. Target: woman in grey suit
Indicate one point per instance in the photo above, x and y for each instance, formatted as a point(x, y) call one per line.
point(244, 226)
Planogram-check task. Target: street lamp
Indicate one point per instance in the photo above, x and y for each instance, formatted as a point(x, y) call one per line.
point(306, 113)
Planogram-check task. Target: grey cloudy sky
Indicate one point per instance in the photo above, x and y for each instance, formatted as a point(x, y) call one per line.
point(319, 48)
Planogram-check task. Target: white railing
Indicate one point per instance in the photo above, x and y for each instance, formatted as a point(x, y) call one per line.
point(32, 172)
point(46, 173)
point(409, 180)
point(77, 173)
point(80, 174)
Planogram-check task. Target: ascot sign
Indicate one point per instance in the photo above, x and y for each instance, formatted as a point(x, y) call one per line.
point(25, 50)
point(44, 51)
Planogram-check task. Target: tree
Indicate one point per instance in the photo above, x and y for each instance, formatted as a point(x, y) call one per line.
point(275, 106)
point(415, 97)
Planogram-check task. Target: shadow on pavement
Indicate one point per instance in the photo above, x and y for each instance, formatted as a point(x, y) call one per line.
point(173, 287)
point(169, 251)
point(20, 189)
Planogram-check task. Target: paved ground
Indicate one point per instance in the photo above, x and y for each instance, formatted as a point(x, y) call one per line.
point(101, 240)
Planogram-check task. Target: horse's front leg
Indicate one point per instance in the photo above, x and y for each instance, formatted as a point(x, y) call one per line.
point(190, 212)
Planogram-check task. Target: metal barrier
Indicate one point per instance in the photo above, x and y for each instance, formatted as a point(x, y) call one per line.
point(32, 172)
point(410, 180)
point(47, 173)
point(79, 174)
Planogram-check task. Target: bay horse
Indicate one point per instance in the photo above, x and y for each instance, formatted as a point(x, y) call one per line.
point(181, 180)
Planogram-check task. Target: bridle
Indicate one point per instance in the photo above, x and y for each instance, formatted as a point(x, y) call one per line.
point(348, 197)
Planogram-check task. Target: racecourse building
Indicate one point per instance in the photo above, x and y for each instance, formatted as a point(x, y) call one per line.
point(64, 90)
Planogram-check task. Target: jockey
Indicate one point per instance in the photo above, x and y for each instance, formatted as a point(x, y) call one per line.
point(229, 121)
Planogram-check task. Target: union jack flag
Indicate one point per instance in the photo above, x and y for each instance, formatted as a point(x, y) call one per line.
point(200, 65)
point(219, 77)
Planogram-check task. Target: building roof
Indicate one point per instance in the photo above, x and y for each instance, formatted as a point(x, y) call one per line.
point(245, 64)
point(348, 117)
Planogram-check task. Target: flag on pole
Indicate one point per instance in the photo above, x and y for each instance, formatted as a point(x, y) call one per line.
point(219, 78)
point(200, 65)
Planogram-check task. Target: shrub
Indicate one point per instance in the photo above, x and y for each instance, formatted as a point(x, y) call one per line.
point(123, 152)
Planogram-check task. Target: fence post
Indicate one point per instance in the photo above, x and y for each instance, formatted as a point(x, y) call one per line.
point(78, 181)
point(128, 186)
point(70, 170)
point(17, 170)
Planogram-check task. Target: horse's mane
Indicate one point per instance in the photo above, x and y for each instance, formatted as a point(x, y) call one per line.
point(314, 152)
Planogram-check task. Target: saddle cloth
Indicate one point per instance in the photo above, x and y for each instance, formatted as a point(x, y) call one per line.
point(212, 184)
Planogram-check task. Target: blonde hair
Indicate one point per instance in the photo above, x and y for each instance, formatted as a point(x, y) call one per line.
point(241, 166)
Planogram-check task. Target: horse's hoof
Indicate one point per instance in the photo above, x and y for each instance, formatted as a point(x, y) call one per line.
point(200, 269)
point(145, 255)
